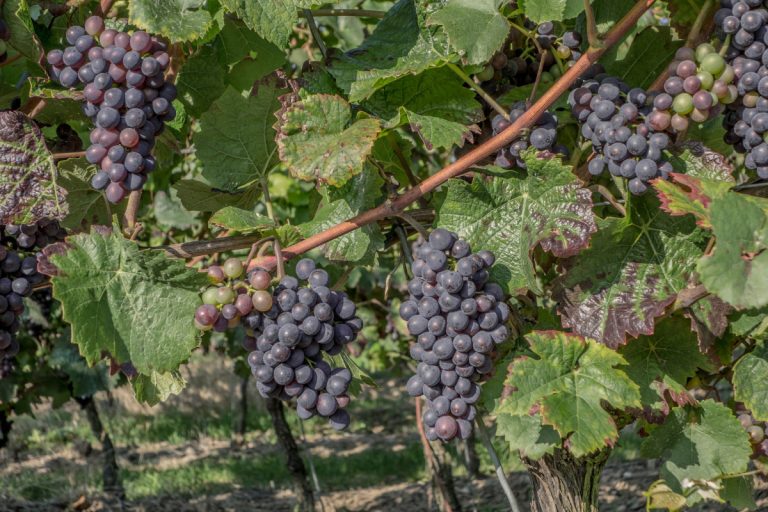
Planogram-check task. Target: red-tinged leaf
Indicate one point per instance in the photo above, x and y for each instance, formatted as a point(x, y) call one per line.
point(686, 194)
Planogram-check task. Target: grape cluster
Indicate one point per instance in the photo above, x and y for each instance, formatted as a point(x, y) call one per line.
point(458, 317)
point(18, 276)
point(127, 97)
point(757, 432)
point(746, 121)
point(5, 36)
point(566, 48)
point(543, 137)
point(288, 331)
point(700, 82)
point(619, 122)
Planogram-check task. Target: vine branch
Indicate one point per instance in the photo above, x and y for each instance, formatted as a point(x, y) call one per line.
point(460, 166)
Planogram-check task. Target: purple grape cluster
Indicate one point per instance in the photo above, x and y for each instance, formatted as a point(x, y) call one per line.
point(746, 121)
point(458, 317)
point(287, 333)
point(18, 276)
point(127, 98)
point(542, 137)
point(756, 430)
point(700, 82)
point(619, 122)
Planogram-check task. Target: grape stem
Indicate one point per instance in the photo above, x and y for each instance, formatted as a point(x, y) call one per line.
point(394, 206)
point(538, 78)
point(603, 191)
point(360, 13)
point(315, 33)
point(479, 90)
point(592, 35)
point(496, 463)
point(131, 211)
point(71, 154)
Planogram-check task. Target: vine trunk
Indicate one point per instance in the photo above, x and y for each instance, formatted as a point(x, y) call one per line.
point(110, 471)
point(564, 483)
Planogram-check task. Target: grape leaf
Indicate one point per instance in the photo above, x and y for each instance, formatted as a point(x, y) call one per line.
point(28, 187)
point(156, 387)
point(650, 53)
point(694, 159)
point(512, 216)
point(238, 219)
point(271, 19)
point(201, 80)
point(633, 270)
point(489, 27)
point(685, 194)
point(87, 206)
point(236, 42)
point(169, 212)
point(569, 383)
point(750, 381)
point(540, 11)
point(177, 20)
point(236, 141)
point(135, 305)
point(85, 381)
point(526, 434)
point(661, 364)
point(202, 197)
point(401, 45)
point(435, 104)
point(737, 269)
point(318, 139)
point(361, 192)
point(703, 442)
point(23, 39)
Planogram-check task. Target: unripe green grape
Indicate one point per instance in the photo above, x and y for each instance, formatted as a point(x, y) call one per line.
point(202, 327)
point(486, 74)
point(555, 72)
point(699, 116)
point(216, 274)
point(225, 295)
point(547, 77)
point(233, 268)
point(706, 79)
point(210, 296)
point(750, 99)
point(563, 51)
point(262, 301)
point(733, 95)
point(727, 75)
point(713, 63)
point(683, 103)
point(703, 50)
point(756, 434)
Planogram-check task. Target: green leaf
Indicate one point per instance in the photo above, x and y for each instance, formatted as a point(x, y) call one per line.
point(135, 305)
point(552, 10)
point(236, 42)
point(157, 387)
point(28, 187)
point(435, 104)
point(319, 140)
point(570, 382)
point(361, 193)
point(236, 141)
point(663, 363)
point(737, 269)
point(527, 435)
point(632, 271)
point(739, 492)
point(238, 219)
point(85, 381)
point(704, 442)
point(87, 206)
point(695, 160)
point(198, 196)
point(750, 381)
point(661, 496)
point(23, 39)
point(512, 216)
point(401, 45)
point(201, 81)
point(271, 19)
point(169, 211)
point(489, 28)
point(686, 194)
point(177, 20)
point(650, 53)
